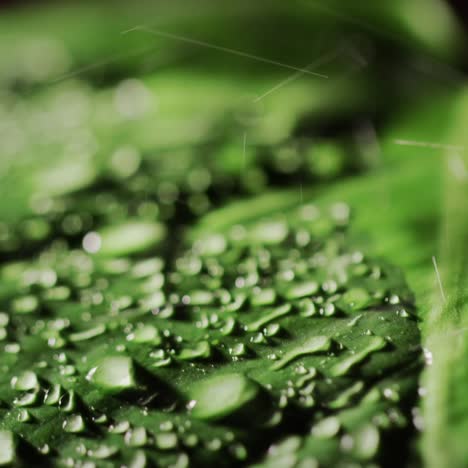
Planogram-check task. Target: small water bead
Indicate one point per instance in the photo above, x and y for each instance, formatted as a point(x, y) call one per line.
point(25, 305)
point(258, 338)
point(119, 428)
point(272, 329)
point(7, 447)
point(223, 296)
point(100, 418)
point(92, 242)
point(152, 283)
point(125, 161)
point(354, 320)
point(238, 350)
point(103, 451)
point(52, 395)
point(311, 374)
point(129, 238)
point(394, 299)
point(212, 245)
point(269, 317)
point(366, 442)
point(136, 437)
point(23, 415)
point(330, 286)
point(58, 293)
point(326, 428)
point(346, 397)
point(54, 340)
point(154, 301)
point(300, 290)
point(147, 268)
point(374, 343)
point(269, 232)
point(418, 419)
point(391, 394)
point(26, 399)
point(357, 299)
point(328, 310)
point(340, 213)
point(214, 444)
point(44, 449)
point(238, 302)
point(25, 381)
point(200, 298)
point(4, 319)
point(145, 334)
point(300, 369)
point(74, 424)
point(3, 334)
point(67, 370)
point(12, 348)
point(138, 460)
point(87, 334)
point(428, 358)
point(166, 426)
point(228, 327)
point(307, 308)
point(166, 441)
point(67, 402)
point(263, 297)
point(312, 345)
point(239, 451)
point(202, 350)
point(403, 313)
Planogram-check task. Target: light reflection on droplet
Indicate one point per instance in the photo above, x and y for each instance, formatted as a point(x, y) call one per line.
point(92, 242)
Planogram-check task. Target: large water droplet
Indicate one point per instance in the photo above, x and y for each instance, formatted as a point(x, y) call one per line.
point(221, 395)
point(113, 373)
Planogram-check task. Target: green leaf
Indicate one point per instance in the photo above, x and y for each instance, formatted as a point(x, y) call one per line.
point(221, 355)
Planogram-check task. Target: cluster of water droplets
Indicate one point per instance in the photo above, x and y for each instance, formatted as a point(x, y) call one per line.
point(129, 356)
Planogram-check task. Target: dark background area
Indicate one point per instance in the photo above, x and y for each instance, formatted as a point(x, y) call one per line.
point(460, 6)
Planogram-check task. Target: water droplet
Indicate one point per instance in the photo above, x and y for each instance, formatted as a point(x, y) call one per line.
point(313, 345)
point(120, 427)
point(92, 242)
point(221, 395)
point(7, 447)
point(145, 334)
point(300, 290)
point(345, 397)
point(113, 373)
point(27, 380)
point(129, 238)
point(25, 304)
point(269, 233)
point(87, 334)
point(357, 299)
point(374, 343)
point(166, 440)
point(202, 350)
point(263, 297)
point(238, 350)
point(269, 317)
point(366, 442)
point(136, 437)
point(103, 451)
point(74, 424)
point(326, 428)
